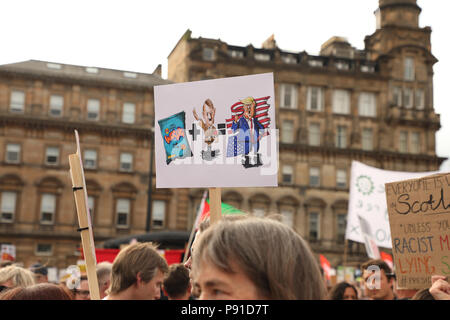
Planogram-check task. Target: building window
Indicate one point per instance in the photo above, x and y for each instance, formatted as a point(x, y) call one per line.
point(131, 75)
point(259, 212)
point(367, 104)
point(43, 249)
point(93, 70)
point(48, 208)
point(126, 162)
point(403, 141)
point(397, 96)
point(313, 226)
point(208, 54)
point(341, 102)
point(415, 142)
point(288, 93)
point(341, 227)
point(93, 109)
point(54, 66)
point(52, 155)
point(341, 178)
point(288, 58)
point(408, 98)
point(288, 174)
point(367, 139)
point(90, 159)
point(123, 207)
point(342, 65)
point(341, 137)
point(409, 69)
point(17, 103)
point(314, 177)
point(420, 99)
point(8, 206)
point(158, 213)
point(56, 105)
point(315, 63)
point(314, 99)
point(287, 217)
point(128, 114)
point(287, 131)
point(236, 54)
point(12, 153)
point(314, 134)
point(262, 56)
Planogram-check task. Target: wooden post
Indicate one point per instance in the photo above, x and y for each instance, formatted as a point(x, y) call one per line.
point(345, 252)
point(215, 204)
point(87, 239)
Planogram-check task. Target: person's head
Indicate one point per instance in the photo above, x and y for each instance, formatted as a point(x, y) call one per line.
point(176, 283)
point(81, 292)
point(249, 107)
point(104, 277)
point(423, 294)
point(40, 291)
point(343, 291)
point(140, 269)
point(209, 112)
point(378, 280)
point(14, 276)
point(40, 273)
point(255, 258)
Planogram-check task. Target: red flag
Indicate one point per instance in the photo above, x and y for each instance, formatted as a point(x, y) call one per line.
point(326, 266)
point(386, 257)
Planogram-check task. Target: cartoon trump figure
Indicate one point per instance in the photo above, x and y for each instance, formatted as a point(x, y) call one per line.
point(250, 132)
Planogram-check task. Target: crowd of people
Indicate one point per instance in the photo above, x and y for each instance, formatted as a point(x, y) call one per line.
point(237, 258)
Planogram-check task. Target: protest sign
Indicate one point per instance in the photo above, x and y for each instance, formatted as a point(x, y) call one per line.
point(216, 133)
point(369, 240)
point(8, 252)
point(419, 220)
point(367, 199)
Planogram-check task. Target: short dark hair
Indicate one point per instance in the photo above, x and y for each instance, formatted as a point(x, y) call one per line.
point(41, 291)
point(423, 294)
point(176, 282)
point(337, 291)
point(380, 264)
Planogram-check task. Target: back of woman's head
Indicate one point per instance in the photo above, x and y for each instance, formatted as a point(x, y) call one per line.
point(18, 276)
point(41, 291)
point(275, 258)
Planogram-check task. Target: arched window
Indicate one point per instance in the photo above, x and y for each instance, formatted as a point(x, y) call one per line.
point(49, 191)
point(10, 191)
point(124, 195)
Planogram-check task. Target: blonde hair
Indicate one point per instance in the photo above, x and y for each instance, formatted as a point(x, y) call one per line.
point(275, 258)
point(248, 100)
point(142, 258)
point(19, 276)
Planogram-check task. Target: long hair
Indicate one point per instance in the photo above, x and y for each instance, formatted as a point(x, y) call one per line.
point(275, 258)
point(19, 276)
point(41, 291)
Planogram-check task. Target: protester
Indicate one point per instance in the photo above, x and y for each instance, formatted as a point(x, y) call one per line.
point(378, 280)
point(440, 288)
point(176, 284)
point(40, 273)
point(104, 277)
point(343, 291)
point(14, 276)
point(255, 258)
point(81, 292)
point(137, 273)
point(40, 291)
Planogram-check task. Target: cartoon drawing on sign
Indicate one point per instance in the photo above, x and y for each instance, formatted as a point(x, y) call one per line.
point(248, 123)
point(174, 137)
point(207, 124)
point(364, 185)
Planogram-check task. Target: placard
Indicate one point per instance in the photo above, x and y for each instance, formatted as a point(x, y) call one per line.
point(420, 227)
point(216, 133)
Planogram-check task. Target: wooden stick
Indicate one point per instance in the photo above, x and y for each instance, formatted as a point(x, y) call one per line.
point(345, 252)
point(87, 239)
point(215, 204)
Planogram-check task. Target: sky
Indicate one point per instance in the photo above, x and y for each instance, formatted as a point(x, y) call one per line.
point(138, 35)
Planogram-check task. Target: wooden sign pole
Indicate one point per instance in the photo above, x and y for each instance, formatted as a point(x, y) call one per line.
point(215, 204)
point(80, 194)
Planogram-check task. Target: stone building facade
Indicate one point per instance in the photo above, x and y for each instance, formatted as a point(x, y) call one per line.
point(373, 105)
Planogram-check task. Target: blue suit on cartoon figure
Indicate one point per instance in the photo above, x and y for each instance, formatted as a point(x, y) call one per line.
point(247, 136)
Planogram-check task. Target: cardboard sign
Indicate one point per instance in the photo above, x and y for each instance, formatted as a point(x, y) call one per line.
point(419, 218)
point(216, 133)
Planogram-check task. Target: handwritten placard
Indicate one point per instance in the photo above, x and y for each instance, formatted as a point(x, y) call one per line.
point(419, 218)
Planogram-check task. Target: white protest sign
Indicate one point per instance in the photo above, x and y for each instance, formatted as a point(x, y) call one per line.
point(368, 200)
point(369, 241)
point(8, 252)
point(216, 133)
